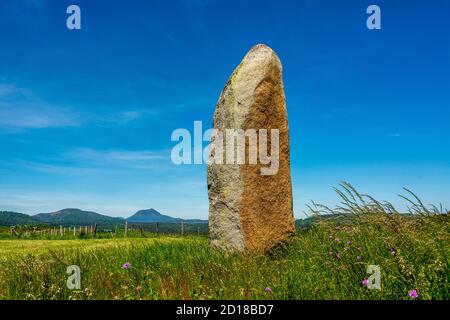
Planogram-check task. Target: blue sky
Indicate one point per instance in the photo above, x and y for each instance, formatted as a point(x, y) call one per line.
point(86, 116)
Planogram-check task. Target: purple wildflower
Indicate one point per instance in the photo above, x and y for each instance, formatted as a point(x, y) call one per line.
point(268, 289)
point(349, 242)
point(126, 265)
point(413, 294)
point(337, 240)
point(393, 251)
point(365, 282)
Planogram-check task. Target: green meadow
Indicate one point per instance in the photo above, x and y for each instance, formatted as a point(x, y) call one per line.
point(327, 259)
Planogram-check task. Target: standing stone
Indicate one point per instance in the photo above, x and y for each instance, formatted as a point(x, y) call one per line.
point(249, 211)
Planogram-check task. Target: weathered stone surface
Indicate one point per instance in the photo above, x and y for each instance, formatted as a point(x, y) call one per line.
point(249, 211)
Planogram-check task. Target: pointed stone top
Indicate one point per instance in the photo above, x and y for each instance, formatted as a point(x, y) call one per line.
point(261, 52)
point(261, 47)
point(259, 64)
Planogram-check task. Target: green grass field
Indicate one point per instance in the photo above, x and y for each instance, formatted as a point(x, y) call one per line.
point(313, 266)
point(327, 260)
point(19, 248)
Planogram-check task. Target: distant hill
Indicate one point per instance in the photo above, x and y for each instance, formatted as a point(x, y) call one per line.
point(77, 217)
point(152, 216)
point(9, 218)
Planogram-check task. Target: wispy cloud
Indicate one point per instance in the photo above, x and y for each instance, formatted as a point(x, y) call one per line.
point(115, 156)
point(21, 109)
point(27, 116)
point(7, 89)
point(90, 162)
point(119, 118)
point(413, 135)
point(54, 168)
